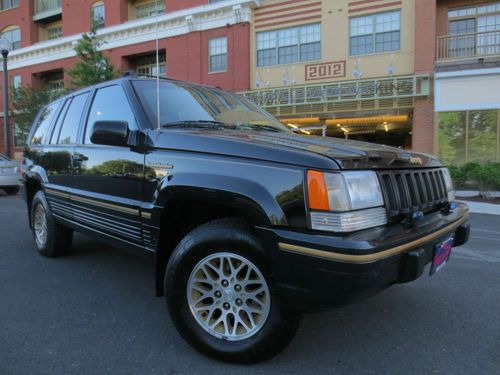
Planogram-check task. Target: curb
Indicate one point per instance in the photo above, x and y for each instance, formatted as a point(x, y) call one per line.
point(482, 208)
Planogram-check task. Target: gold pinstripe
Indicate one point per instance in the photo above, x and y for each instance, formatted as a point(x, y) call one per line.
point(367, 258)
point(94, 202)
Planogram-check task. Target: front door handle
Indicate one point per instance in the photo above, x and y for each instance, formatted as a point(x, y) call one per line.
point(79, 157)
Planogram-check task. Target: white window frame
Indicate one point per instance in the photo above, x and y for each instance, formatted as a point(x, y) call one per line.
point(54, 28)
point(273, 38)
point(12, 4)
point(150, 8)
point(215, 51)
point(15, 82)
point(374, 32)
point(148, 69)
point(101, 21)
point(8, 34)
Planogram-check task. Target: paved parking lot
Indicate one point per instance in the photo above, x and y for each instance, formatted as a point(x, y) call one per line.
point(94, 312)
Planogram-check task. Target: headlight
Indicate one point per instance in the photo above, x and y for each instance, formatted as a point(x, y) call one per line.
point(346, 201)
point(449, 184)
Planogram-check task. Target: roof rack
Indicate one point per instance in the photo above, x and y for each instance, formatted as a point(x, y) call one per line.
point(133, 73)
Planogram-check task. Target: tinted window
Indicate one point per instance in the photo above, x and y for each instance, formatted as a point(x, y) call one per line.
point(109, 104)
point(71, 122)
point(57, 127)
point(43, 123)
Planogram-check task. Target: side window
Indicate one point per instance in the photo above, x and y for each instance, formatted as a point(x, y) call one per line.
point(109, 104)
point(71, 123)
point(43, 124)
point(57, 127)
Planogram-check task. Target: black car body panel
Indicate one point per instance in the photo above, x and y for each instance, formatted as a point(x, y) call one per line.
point(124, 194)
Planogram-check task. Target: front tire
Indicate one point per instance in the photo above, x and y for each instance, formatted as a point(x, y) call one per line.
point(220, 295)
point(51, 238)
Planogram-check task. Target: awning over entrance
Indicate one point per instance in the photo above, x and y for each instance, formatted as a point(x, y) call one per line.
point(467, 90)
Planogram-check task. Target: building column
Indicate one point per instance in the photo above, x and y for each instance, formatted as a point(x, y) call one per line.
point(423, 125)
point(425, 56)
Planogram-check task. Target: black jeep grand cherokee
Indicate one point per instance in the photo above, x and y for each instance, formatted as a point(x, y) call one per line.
point(249, 224)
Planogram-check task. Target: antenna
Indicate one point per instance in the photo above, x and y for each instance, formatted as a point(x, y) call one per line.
point(158, 125)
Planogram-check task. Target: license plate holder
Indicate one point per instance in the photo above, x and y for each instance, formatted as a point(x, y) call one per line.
point(441, 255)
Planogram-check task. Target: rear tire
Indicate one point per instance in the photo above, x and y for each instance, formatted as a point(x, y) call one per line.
point(51, 238)
point(12, 190)
point(237, 292)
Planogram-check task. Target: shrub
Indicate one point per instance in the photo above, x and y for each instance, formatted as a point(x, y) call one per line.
point(459, 177)
point(487, 176)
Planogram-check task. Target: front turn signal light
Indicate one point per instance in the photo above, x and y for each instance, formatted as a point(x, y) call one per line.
point(317, 191)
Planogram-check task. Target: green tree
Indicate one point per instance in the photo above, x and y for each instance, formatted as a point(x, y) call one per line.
point(27, 101)
point(93, 67)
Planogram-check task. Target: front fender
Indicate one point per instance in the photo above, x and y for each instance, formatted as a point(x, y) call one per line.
point(267, 193)
point(245, 196)
point(36, 173)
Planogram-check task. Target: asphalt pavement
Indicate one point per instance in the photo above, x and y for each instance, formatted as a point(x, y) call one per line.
point(94, 312)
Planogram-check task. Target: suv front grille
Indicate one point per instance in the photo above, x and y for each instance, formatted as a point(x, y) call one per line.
point(409, 191)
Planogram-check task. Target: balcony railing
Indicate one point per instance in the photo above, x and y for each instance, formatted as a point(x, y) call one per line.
point(465, 46)
point(47, 8)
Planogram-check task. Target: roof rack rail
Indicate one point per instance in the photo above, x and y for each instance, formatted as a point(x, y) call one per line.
point(129, 73)
point(132, 73)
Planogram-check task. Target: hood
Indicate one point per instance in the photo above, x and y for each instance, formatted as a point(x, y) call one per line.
point(291, 148)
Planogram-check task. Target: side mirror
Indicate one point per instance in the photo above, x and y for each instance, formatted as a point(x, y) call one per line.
point(111, 133)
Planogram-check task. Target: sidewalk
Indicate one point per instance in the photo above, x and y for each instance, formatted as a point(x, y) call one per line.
point(482, 208)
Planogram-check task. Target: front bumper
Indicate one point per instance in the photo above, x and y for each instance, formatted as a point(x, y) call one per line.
point(315, 271)
point(10, 181)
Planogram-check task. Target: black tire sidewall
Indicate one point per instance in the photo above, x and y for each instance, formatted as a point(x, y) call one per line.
point(260, 346)
point(48, 249)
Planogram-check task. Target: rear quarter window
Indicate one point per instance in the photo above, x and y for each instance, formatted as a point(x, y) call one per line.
point(42, 125)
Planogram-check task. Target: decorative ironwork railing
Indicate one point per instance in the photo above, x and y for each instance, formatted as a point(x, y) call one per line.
point(343, 91)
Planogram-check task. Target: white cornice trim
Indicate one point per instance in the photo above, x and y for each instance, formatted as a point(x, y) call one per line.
point(181, 22)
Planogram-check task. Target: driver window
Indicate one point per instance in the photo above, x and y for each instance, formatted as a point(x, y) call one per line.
point(109, 104)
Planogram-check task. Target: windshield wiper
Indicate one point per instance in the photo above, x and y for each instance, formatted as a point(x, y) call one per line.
point(196, 123)
point(257, 127)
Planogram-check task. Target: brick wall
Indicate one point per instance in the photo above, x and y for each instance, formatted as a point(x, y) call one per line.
point(425, 41)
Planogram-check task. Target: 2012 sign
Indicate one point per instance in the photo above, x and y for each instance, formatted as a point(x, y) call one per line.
point(325, 70)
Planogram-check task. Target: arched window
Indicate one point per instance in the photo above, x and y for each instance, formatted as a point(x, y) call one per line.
point(13, 35)
point(99, 14)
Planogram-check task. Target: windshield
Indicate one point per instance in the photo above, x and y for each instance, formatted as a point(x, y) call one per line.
point(4, 158)
point(184, 103)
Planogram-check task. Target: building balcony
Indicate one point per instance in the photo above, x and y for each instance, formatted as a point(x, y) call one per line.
point(481, 45)
point(47, 10)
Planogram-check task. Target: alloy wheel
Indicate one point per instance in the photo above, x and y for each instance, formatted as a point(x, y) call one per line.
point(228, 296)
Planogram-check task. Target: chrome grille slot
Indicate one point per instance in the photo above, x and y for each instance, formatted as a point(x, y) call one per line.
point(408, 191)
